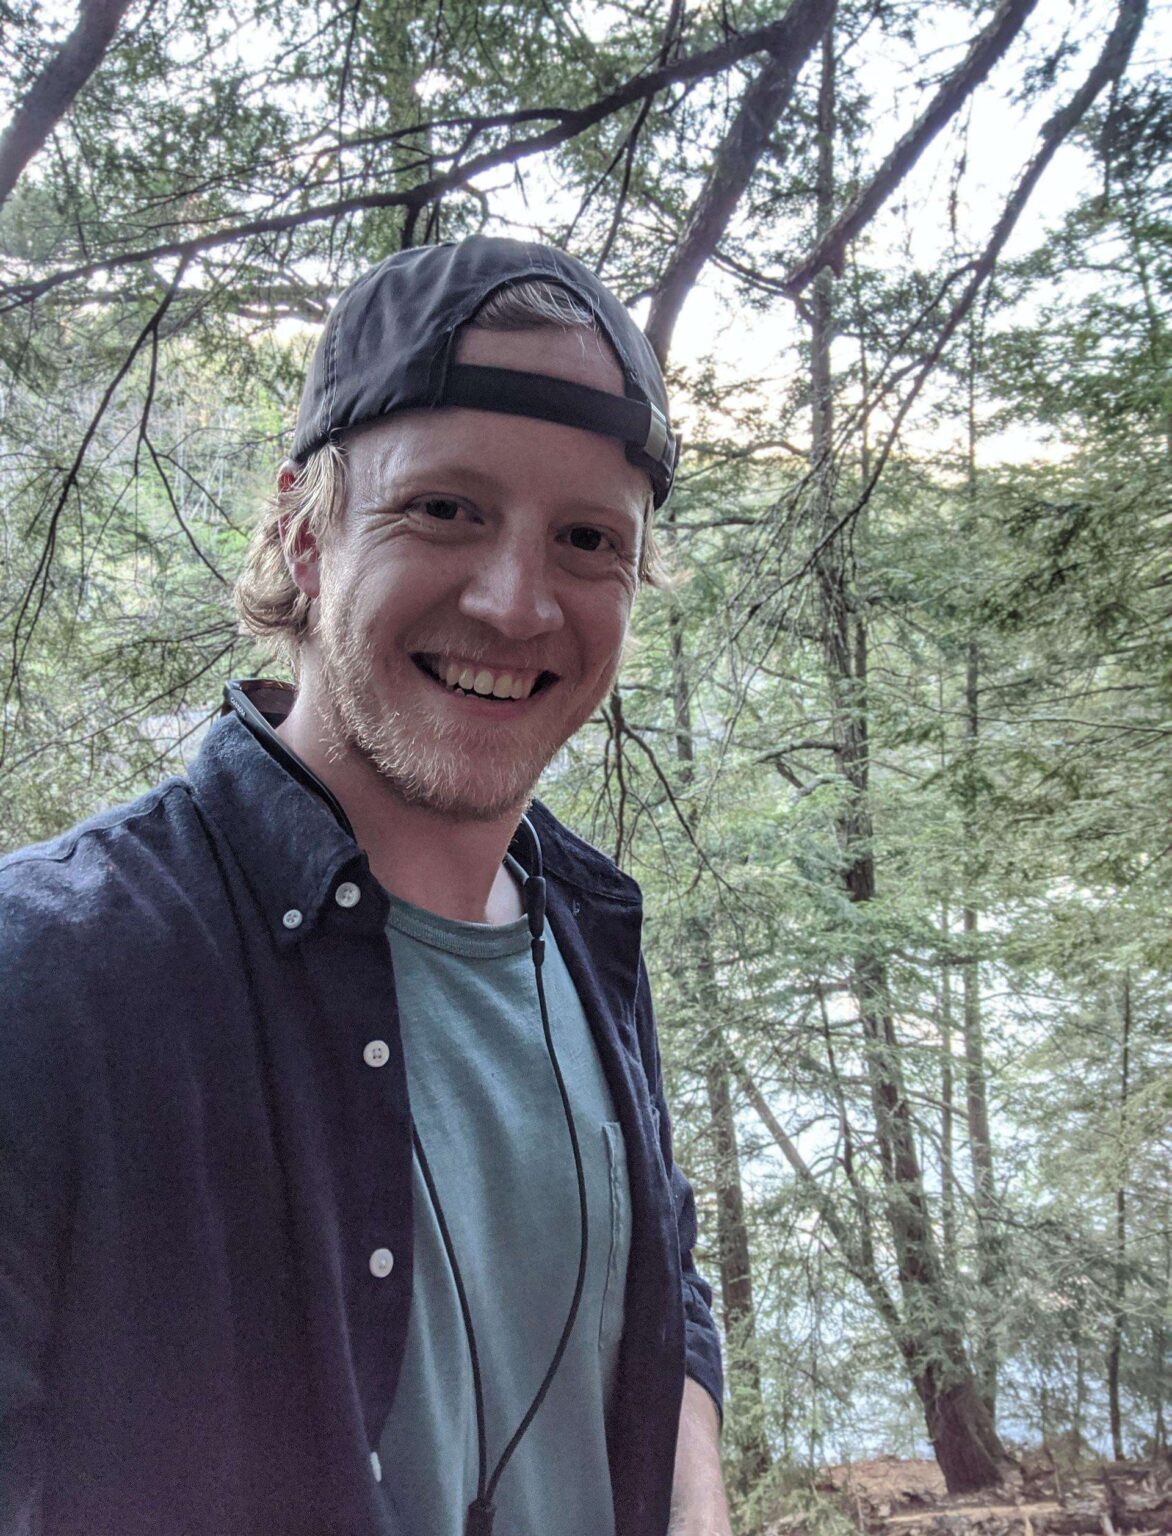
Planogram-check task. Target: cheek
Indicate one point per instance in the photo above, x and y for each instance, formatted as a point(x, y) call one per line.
point(604, 623)
point(360, 590)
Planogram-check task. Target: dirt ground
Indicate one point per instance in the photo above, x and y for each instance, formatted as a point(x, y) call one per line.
point(893, 1497)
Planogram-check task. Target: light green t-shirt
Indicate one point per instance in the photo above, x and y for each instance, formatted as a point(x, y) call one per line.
point(490, 1118)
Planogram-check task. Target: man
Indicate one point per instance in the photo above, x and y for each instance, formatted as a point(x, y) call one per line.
point(338, 1190)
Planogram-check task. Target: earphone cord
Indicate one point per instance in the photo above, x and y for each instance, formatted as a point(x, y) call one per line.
point(481, 1510)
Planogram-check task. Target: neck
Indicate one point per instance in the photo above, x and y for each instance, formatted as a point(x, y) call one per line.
point(454, 868)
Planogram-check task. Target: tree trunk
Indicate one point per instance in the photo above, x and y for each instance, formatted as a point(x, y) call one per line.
point(1080, 1393)
point(976, 1090)
point(736, 159)
point(1160, 1346)
point(959, 1424)
point(751, 1458)
point(976, 1085)
point(947, 1112)
point(736, 1283)
point(1119, 1316)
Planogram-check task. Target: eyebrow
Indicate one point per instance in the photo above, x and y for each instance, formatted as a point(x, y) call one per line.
point(382, 487)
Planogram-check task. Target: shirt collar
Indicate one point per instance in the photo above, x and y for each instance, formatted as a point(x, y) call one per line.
point(287, 832)
point(293, 838)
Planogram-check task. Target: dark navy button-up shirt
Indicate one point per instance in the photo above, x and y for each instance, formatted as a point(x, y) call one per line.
point(198, 1169)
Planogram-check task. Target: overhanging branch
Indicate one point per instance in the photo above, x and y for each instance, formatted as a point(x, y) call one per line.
point(571, 123)
point(987, 48)
point(55, 89)
point(736, 160)
point(1109, 66)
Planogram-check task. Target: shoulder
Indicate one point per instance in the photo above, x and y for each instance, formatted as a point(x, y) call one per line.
point(105, 885)
point(90, 947)
point(79, 864)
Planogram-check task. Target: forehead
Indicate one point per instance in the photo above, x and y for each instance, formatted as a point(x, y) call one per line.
point(573, 353)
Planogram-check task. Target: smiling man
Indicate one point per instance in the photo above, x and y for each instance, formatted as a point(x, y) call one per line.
point(339, 1193)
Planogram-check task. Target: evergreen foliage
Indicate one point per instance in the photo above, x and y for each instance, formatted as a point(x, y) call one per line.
point(993, 747)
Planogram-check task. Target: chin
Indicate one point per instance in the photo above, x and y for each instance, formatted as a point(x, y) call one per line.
point(448, 782)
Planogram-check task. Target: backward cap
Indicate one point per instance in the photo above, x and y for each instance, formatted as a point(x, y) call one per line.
point(389, 343)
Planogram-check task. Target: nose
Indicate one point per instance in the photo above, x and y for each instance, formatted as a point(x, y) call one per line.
point(513, 588)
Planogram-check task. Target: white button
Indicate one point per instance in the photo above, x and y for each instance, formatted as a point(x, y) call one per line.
point(292, 918)
point(382, 1261)
point(375, 1053)
point(376, 1467)
point(347, 894)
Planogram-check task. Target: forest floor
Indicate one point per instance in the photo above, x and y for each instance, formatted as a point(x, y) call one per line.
point(893, 1497)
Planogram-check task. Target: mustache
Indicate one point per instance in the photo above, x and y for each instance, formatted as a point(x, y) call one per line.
point(486, 649)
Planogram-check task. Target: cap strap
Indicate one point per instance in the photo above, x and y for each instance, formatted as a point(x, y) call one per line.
point(572, 405)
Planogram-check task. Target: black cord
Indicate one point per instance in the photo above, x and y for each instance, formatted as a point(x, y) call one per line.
point(580, 1283)
point(465, 1309)
point(481, 1510)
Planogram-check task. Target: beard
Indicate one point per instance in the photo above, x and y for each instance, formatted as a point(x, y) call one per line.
point(463, 770)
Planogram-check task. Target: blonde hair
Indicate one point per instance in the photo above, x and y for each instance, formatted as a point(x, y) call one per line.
point(268, 600)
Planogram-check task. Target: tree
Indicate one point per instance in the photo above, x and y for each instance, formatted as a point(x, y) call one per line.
point(902, 719)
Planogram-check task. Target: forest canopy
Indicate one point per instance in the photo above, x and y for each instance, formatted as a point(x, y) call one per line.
point(890, 755)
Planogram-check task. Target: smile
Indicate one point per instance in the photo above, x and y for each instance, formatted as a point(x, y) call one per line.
point(465, 677)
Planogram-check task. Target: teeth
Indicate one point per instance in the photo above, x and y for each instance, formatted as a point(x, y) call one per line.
point(496, 685)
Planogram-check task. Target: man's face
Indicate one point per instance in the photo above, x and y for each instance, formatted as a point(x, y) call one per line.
point(474, 594)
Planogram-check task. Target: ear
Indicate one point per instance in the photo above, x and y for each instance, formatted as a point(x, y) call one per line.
point(302, 556)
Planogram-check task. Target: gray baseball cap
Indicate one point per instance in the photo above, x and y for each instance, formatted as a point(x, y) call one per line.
point(389, 345)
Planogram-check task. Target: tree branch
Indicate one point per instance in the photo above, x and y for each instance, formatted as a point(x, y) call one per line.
point(865, 1273)
point(53, 92)
point(1109, 66)
point(734, 164)
point(986, 49)
point(179, 518)
point(572, 123)
point(33, 598)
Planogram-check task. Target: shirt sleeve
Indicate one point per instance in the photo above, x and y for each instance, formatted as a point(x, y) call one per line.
point(702, 1342)
point(33, 1203)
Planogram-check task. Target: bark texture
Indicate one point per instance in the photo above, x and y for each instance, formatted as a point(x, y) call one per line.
point(1118, 1311)
point(55, 89)
point(734, 163)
